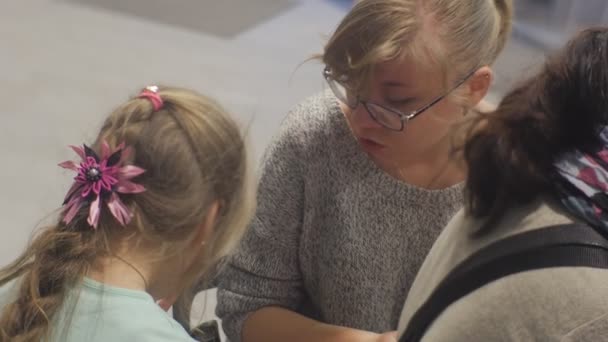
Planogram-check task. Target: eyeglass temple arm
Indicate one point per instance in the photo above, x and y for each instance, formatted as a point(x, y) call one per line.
point(439, 98)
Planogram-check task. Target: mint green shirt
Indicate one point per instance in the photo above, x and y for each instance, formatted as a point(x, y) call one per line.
point(106, 313)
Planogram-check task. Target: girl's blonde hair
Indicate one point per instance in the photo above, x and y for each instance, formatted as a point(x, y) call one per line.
point(194, 156)
point(464, 33)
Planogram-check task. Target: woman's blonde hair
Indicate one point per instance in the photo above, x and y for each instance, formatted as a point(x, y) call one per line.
point(464, 33)
point(194, 156)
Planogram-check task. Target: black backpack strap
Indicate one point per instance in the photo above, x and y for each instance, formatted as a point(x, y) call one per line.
point(555, 246)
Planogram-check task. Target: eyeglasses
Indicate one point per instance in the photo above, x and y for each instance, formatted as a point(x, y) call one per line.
point(389, 118)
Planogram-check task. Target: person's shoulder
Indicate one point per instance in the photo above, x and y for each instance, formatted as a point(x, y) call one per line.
point(150, 323)
point(315, 107)
point(543, 212)
point(309, 124)
point(159, 326)
point(557, 300)
point(123, 317)
point(313, 116)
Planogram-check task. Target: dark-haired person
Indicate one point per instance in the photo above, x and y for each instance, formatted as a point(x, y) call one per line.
point(538, 163)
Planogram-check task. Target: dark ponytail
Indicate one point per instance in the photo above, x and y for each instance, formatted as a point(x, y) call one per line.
point(510, 153)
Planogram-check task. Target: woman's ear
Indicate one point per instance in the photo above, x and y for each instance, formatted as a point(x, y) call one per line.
point(208, 225)
point(479, 85)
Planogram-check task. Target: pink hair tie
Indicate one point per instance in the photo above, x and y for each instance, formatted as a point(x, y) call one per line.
point(151, 93)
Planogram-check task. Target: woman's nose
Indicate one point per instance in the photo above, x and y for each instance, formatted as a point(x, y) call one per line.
point(363, 118)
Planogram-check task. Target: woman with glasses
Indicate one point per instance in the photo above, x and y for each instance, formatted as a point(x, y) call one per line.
point(527, 258)
point(359, 181)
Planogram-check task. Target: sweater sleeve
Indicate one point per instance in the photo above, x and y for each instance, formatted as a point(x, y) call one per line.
point(264, 271)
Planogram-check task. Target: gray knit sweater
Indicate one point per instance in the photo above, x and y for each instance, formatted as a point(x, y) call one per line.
point(334, 237)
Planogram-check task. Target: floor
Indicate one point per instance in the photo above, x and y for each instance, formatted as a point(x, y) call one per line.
point(65, 63)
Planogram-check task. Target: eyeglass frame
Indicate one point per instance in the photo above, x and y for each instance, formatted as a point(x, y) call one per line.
point(403, 117)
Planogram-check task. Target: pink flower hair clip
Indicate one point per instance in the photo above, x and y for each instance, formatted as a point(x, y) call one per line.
point(101, 180)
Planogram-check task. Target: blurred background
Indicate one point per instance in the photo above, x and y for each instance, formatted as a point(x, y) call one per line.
point(64, 64)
